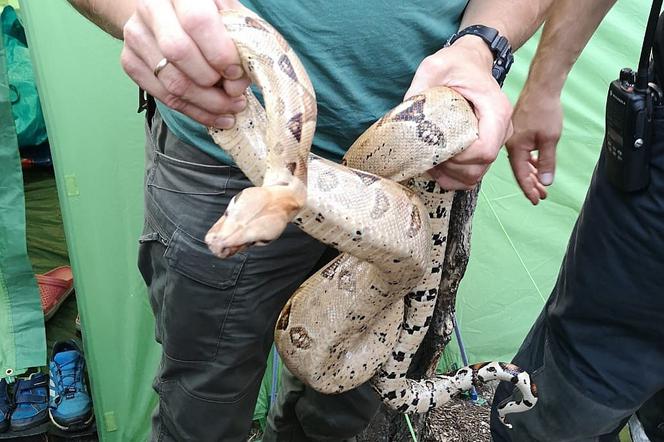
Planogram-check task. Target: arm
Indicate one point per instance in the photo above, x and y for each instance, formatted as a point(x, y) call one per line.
point(466, 67)
point(109, 16)
point(191, 36)
point(517, 20)
point(538, 114)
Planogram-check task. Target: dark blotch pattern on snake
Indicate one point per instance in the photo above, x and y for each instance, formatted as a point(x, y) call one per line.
point(363, 316)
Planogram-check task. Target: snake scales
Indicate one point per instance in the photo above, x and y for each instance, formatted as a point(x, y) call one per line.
point(362, 316)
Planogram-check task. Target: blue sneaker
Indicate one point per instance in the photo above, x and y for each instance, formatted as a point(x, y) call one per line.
point(5, 406)
point(30, 401)
point(70, 406)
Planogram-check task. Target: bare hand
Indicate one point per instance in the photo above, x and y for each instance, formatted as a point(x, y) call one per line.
point(466, 67)
point(203, 78)
point(538, 122)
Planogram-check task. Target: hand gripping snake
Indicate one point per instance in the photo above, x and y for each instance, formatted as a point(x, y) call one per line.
point(363, 315)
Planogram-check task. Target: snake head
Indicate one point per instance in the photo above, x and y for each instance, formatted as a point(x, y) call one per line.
point(255, 216)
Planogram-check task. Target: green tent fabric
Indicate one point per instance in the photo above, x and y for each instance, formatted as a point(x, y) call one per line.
point(22, 338)
point(47, 247)
point(517, 249)
point(269, 387)
point(97, 143)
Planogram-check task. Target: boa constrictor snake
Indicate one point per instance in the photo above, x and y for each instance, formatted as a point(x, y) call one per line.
point(363, 316)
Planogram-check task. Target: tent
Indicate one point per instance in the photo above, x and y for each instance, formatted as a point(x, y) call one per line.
point(97, 142)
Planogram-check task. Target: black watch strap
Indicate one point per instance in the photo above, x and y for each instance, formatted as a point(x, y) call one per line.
point(499, 46)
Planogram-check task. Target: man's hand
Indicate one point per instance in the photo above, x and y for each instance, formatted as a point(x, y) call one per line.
point(538, 122)
point(466, 67)
point(203, 78)
point(538, 117)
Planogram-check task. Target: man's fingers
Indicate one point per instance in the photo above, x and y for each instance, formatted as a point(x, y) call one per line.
point(228, 4)
point(447, 182)
point(533, 190)
point(494, 127)
point(203, 23)
point(538, 190)
point(493, 112)
point(541, 189)
point(464, 176)
point(422, 79)
point(546, 163)
point(235, 88)
point(174, 42)
point(142, 74)
point(175, 85)
point(418, 85)
point(520, 160)
point(510, 131)
point(467, 168)
point(522, 167)
point(494, 115)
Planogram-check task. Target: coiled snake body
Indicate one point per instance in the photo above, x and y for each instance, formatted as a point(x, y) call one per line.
point(363, 315)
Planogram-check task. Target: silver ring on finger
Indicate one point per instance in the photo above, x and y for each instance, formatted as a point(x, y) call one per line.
point(160, 67)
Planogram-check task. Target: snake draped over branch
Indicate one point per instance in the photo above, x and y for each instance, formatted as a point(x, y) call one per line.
point(362, 316)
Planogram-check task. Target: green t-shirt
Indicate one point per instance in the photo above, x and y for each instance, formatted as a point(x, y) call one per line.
point(361, 56)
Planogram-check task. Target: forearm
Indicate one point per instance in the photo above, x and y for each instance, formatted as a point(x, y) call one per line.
point(109, 15)
point(517, 20)
point(569, 25)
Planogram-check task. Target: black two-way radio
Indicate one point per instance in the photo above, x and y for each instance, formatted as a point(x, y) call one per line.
point(629, 113)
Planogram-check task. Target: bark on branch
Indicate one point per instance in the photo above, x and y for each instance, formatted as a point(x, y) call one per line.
point(389, 425)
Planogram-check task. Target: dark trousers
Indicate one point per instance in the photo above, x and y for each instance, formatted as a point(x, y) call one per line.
point(596, 352)
point(215, 317)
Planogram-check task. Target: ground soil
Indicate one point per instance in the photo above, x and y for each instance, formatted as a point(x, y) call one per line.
point(460, 420)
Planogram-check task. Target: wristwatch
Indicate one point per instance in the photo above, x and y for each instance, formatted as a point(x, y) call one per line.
point(499, 46)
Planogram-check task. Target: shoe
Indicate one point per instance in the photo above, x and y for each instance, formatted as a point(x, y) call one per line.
point(30, 402)
point(70, 406)
point(5, 406)
point(54, 287)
